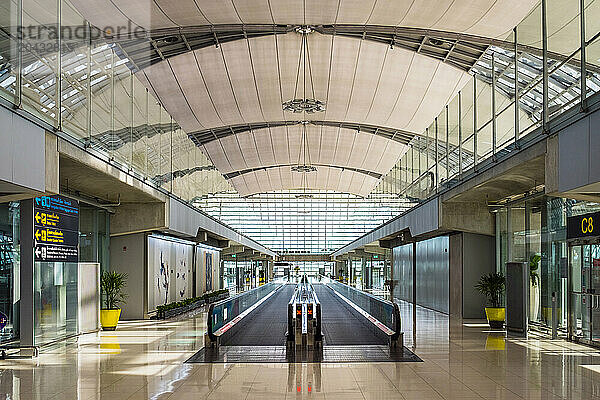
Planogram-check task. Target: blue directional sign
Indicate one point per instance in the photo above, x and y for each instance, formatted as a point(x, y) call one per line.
point(56, 229)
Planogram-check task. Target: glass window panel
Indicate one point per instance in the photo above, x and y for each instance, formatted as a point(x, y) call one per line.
point(484, 100)
point(504, 92)
point(468, 152)
point(101, 96)
point(55, 301)
point(529, 33)
point(505, 127)
point(154, 138)
point(9, 17)
point(563, 25)
point(467, 106)
point(484, 141)
point(563, 20)
point(122, 137)
point(592, 28)
point(467, 103)
point(453, 137)
point(140, 126)
point(74, 69)
point(9, 268)
point(166, 143)
point(41, 61)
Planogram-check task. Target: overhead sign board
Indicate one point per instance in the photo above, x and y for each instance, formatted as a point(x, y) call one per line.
point(56, 229)
point(585, 225)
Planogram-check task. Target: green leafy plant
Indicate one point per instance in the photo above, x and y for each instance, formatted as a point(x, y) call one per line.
point(492, 287)
point(207, 297)
point(112, 284)
point(534, 261)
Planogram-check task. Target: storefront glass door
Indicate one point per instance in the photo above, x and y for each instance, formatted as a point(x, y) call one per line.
point(584, 289)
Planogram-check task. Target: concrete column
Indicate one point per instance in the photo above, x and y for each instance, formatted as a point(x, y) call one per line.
point(26, 271)
point(350, 271)
point(456, 275)
point(414, 292)
point(222, 274)
point(365, 273)
point(237, 276)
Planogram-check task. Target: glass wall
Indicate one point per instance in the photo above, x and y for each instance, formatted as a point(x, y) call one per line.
point(55, 301)
point(303, 221)
point(86, 87)
point(534, 231)
point(94, 235)
point(82, 84)
point(432, 269)
point(518, 85)
point(9, 269)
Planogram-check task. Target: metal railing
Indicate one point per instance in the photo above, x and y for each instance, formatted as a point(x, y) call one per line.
point(226, 311)
point(386, 312)
point(304, 317)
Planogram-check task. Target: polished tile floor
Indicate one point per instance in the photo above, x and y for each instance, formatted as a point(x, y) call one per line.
point(145, 360)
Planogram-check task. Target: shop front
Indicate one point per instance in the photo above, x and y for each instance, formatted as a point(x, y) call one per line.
point(583, 235)
point(533, 230)
point(559, 240)
point(46, 244)
point(9, 271)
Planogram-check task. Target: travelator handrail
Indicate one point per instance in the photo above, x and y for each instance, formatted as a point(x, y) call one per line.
point(226, 313)
point(297, 298)
point(385, 312)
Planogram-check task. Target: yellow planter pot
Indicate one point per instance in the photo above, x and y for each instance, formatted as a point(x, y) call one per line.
point(109, 319)
point(495, 316)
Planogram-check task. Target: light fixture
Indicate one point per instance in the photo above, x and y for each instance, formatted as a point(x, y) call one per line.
point(436, 42)
point(304, 104)
point(304, 168)
point(308, 106)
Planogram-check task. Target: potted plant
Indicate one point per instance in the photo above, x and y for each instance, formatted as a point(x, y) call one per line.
point(492, 287)
point(112, 284)
point(534, 286)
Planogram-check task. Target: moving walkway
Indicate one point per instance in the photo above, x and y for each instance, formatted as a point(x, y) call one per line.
point(304, 315)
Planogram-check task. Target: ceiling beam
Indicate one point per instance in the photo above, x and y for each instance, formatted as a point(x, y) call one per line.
point(457, 49)
point(209, 239)
point(248, 171)
point(208, 135)
point(305, 257)
point(460, 51)
point(233, 249)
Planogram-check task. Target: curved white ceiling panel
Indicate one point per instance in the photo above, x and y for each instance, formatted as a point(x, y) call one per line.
point(364, 82)
point(360, 81)
point(491, 18)
point(324, 178)
point(327, 146)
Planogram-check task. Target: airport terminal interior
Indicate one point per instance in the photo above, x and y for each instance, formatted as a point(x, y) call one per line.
point(289, 199)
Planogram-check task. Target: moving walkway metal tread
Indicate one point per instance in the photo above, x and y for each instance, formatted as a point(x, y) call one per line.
point(343, 325)
point(265, 326)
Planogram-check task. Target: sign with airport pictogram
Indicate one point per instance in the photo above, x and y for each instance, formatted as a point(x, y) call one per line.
point(56, 229)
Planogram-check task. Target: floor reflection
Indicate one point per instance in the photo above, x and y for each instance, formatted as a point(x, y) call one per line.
point(462, 360)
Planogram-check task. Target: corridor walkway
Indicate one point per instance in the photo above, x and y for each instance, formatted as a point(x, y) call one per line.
point(145, 360)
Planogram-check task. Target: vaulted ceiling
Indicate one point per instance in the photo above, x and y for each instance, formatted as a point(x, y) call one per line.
point(380, 86)
point(489, 18)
